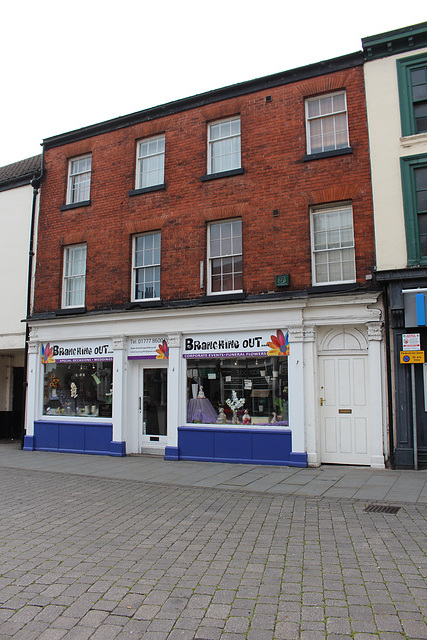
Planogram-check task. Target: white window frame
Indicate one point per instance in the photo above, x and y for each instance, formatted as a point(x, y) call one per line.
point(232, 254)
point(146, 158)
point(222, 141)
point(74, 177)
point(71, 280)
point(343, 244)
point(323, 118)
point(144, 267)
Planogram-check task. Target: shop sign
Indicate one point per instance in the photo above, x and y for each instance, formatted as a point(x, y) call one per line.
point(237, 344)
point(77, 351)
point(411, 357)
point(148, 349)
point(411, 342)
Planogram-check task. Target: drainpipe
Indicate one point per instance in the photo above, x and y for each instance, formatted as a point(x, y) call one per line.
point(35, 183)
point(390, 403)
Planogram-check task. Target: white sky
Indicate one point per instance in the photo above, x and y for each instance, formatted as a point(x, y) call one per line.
point(66, 65)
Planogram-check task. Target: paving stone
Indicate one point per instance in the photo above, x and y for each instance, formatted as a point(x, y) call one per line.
point(236, 625)
point(106, 632)
point(129, 559)
point(52, 634)
point(288, 630)
point(387, 623)
point(78, 633)
point(338, 626)
point(415, 629)
point(64, 622)
point(208, 633)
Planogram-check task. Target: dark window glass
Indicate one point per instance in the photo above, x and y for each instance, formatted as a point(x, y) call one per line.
point(78, 389)
point(421, 187)
point(261, 385)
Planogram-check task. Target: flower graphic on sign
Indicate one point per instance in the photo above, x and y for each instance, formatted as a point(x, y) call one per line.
point(162, 351)
point(279, 345)
point(47, 354)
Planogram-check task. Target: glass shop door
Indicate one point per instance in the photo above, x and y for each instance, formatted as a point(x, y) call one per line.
point(153, 406)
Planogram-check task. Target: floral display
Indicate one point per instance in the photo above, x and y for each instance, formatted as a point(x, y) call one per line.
point(54, 381)
point(234, 402)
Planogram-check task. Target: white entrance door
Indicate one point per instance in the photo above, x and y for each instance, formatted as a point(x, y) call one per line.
point(152, 405)
point(344, 429)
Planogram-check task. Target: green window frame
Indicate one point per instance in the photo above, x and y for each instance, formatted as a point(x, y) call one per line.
point(413, 168)
point(412, 80)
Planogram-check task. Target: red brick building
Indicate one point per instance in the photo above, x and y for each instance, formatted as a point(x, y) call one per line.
point(217, 244)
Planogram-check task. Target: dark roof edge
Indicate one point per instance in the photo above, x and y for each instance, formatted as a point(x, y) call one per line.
point(398, 41)
point(202, 99)
point(19, 181)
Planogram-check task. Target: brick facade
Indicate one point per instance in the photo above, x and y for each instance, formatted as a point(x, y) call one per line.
point(273, 143)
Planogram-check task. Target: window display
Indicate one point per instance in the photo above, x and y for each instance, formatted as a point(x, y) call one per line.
point(78, 389)
point(238, 390)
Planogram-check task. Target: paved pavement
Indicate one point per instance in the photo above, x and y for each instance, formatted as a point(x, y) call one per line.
point(138, 548)
point(328, 481)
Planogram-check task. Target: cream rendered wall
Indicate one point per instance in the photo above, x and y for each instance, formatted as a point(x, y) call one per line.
point(387, 147)
point(15, 217)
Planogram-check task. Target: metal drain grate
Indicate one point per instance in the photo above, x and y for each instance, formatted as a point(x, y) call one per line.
point(381, 508)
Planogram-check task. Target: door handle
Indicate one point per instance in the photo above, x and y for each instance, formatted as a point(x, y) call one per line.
point(322, 400)
point(140, 403)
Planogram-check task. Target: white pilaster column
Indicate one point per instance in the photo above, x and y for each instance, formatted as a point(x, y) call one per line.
point(375, 336)
point(34, 371)
point(119, 388)
point(312, 438)
point(175, 392)
point(296, 388)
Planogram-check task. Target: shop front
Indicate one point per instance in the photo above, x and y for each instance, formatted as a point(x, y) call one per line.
point(76, 388)
point(237, 399)
point(300, 384)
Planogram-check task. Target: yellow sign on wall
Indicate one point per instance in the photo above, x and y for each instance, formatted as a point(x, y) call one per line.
point(412, 357)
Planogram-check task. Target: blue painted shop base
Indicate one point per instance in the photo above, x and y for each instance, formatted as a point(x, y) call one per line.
point(239, 444)
point(206, 443)
point(74, 437)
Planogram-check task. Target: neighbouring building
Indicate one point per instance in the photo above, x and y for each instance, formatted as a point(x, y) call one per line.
point(16, 206)
point(396, 93)
point(204, 284)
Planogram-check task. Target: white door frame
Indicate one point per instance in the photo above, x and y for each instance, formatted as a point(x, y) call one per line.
point(149, 441)
point(345, 431)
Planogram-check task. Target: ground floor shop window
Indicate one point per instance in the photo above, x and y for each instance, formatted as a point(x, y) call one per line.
point(238, 391)
point(78, 389)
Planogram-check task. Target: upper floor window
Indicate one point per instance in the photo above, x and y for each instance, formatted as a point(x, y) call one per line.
point(150, 162)
point(326, 119)
point(224, 145)
point(414, 189)
point(225, 272)
point(332, 244)
point(412, 77)
point(146, 266)
point(74, 276)
point(79, 170)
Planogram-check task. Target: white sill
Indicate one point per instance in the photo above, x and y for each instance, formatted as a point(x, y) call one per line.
point(224, 293)
point(74, 419)
point(410, 141)
point(258, 427)
point(332, 283)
